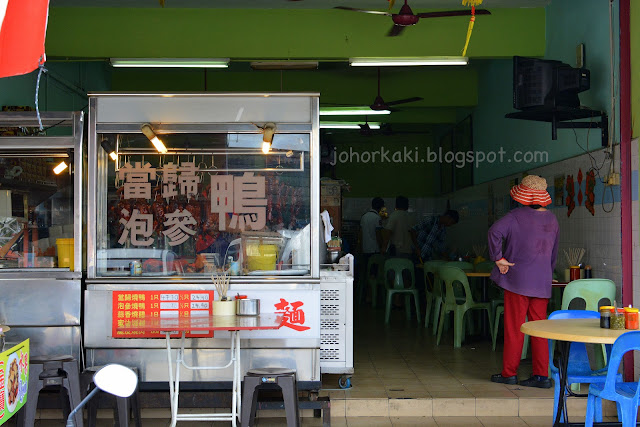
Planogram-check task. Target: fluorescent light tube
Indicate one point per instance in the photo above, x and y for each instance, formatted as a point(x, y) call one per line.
point(284, 65)
point(351, 111)
point(60, 167)
point(347, 125)
point(384, 62)
point(170, 62)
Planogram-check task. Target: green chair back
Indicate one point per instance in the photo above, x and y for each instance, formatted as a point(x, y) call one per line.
point(594, 292)
point(432, 267)
point(452, 275)
point(485, 267)
point(398, 266)
point(462, 265)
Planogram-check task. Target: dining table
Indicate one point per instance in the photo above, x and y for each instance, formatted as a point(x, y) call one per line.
point(180, 326)
point(564, 332)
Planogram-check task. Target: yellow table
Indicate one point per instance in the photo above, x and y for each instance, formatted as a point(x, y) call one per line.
point(566, 331)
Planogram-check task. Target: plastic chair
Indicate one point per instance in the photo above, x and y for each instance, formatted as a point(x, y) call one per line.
point(578, 369)
point(433, 291)
point(592, 291)
point(499, 311)
point(374, 276)
point(397, 285)
point(462, 265)
point(624, 394)
point(450, 275)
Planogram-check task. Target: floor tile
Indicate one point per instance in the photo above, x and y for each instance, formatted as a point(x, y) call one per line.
point(458, 422)
point(368, 421)
point(502, 421)
point(413, 421)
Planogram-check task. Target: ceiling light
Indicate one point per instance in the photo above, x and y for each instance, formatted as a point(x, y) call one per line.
point(60, 167)
point(426, 60)
point(284, 65)
point(351, 111)
point(347, 125)
point(108, 147)
point(148, 132)
point(170, 62)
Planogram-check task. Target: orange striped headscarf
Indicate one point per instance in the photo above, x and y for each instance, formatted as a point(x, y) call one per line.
point(531, 191)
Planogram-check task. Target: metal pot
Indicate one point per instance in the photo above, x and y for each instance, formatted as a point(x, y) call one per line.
point(247, 307)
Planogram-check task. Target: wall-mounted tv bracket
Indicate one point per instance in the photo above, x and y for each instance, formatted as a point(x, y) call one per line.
point(561, 118)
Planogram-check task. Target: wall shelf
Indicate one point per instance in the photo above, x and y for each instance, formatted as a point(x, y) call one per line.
point(562, 118)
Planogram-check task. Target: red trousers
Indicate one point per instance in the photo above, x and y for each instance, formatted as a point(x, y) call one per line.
point(516, 309)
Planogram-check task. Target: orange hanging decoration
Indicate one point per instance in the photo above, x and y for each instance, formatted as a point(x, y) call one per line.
point(473, 4)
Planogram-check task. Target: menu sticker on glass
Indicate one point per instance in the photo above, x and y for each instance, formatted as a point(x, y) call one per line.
point(14, 379)
point(132, 309)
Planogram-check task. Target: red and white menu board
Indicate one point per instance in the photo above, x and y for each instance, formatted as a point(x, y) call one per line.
point(133, 308)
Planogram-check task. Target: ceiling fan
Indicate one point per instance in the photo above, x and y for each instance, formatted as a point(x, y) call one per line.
point(405, 17)
point(380, 104)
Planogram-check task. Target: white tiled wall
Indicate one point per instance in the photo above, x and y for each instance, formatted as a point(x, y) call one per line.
point(599, 234)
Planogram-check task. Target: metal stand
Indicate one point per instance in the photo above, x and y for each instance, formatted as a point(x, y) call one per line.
point(174, 384)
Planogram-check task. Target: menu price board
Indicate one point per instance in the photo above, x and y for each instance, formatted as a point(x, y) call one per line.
point(14, 379)
point(133, 308)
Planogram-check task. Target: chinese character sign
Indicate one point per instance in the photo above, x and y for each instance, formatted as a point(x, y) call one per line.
point(177, 225)
point(292, 313)
point(137, 228)
point(243, 197)
point(136, 180)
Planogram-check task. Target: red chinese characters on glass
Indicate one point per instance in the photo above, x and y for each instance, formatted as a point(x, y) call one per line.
point(293, 316)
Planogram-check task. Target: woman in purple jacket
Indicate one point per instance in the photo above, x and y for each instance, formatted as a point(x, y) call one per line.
point(525, 271)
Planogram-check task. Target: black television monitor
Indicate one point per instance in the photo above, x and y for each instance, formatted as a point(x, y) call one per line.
point(545, 83)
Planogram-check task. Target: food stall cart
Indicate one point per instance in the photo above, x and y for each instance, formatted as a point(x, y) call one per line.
point(41, 229)
point(183, 186)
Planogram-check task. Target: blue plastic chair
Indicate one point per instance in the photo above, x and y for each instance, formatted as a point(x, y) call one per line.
point(624, 394)
point(578, 368)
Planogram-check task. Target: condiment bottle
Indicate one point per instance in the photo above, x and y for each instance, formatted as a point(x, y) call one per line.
point(574, 272)
point(631, 318)
point(617, 318)
point(605, 316)
point(587, 272)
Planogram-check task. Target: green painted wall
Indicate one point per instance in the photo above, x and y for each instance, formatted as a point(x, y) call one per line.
point(569, 23)
point(409, 175)
point(55, 95)
point(280, 33)
point(442, 89)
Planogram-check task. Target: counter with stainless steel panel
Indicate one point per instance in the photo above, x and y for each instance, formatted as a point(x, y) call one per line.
point(41, 229)
point(190, 190)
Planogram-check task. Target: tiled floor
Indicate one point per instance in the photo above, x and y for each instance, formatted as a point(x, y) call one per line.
point(403, 378)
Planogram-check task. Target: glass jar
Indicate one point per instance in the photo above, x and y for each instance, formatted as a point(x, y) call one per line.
point(574, 272)
point(617, 319)
point(605, 316)
point(631, 316)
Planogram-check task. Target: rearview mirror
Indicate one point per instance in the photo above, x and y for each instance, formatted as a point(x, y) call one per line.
point(117, 380)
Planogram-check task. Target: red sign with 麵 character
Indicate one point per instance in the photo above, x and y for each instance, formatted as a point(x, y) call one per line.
point(133, 308)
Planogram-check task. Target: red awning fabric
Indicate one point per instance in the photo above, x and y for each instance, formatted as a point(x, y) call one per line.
point(23, 25)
